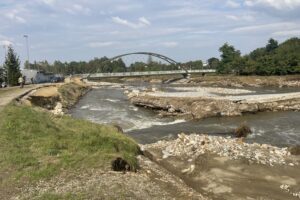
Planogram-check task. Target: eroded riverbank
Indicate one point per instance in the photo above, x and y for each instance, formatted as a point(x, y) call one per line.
point(196, 166)
point(201, 102)
point(221, 167)
point(109, 105)
point(227, 168)
point(48, 155)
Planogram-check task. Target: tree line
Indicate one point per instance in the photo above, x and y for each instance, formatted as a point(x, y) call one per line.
point(273, 59)
point(104, 65)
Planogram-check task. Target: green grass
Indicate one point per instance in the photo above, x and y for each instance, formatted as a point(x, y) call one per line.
point(37, 145)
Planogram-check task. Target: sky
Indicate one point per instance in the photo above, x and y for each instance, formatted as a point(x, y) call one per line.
point(184, 30)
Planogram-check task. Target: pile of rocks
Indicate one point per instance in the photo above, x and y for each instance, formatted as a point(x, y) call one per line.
point(287, 188)
point(58, 110)
point(192, 146)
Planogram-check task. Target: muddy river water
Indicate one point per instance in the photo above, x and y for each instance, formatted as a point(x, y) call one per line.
point(110, 105)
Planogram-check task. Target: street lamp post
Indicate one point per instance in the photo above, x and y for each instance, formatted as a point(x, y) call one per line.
point(27, 47)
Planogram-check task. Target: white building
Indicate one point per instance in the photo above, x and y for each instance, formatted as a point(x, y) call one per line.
point(35, 76)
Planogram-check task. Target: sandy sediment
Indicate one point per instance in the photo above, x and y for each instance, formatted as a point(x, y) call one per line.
point(228, 168)
point(202, 102)
point(242, 81)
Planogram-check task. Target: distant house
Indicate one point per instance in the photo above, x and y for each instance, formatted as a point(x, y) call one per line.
point(36, 76)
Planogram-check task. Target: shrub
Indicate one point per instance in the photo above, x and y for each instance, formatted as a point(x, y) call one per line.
point(295, 150)
point(242, 131)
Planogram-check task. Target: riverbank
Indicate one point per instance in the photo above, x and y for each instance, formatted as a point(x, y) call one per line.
point(228, 168)
point(222, 80)
point(66, 158)
point(246, 81)
point(218, 167)
point(203, 102)
point(56, 98)
point(53, 156)
point(9, 94)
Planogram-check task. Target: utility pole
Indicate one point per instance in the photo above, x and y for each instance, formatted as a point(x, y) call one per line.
point(27, 47)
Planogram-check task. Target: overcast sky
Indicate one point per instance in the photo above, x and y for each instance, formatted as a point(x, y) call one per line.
point(181, 29)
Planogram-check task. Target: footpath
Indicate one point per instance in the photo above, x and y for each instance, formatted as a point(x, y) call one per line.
point(11, 93)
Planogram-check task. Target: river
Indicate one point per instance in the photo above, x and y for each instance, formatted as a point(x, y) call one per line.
point(110, 105)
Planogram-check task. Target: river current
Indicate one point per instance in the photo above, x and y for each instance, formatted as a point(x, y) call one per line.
point(110, 106)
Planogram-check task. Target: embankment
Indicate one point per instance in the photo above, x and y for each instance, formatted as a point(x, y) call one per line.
point(242, 81)
point(53, 156)
point(56, 98)
point(198, 105)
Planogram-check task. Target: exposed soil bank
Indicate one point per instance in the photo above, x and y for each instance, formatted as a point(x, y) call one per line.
point(57, 98)
point(243, 81)
point(224, 168)
point(199, 104)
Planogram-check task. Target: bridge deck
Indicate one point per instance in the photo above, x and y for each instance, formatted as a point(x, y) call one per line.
point(148, 73)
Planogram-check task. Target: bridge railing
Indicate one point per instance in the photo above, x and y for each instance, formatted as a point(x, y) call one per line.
point(147, 73)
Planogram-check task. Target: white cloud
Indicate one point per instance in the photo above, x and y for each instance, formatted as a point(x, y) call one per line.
point(78, 9)
point(277, 4)
point(142, 22)
point(264, 27)
point(49, 2)
point(180, 12)
point(239, 18)
point(203, 32)
point(128, 7)
point(14, 15)
point(170, 44)
point(100, 44)
point(5, 43)
point(233, 17)
point(289, 33)
point(232, 4)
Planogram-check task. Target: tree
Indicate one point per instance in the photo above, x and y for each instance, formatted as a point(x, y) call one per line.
point(194, 65)
point(272, 45)
point(213, 63)
point(1, 75)
point(12, 67)
point(230, 59)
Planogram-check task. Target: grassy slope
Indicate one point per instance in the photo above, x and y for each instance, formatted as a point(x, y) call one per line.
point(70, 93)
point(38, 145)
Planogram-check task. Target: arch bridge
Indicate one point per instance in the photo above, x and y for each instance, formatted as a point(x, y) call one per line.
point(179, 68)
